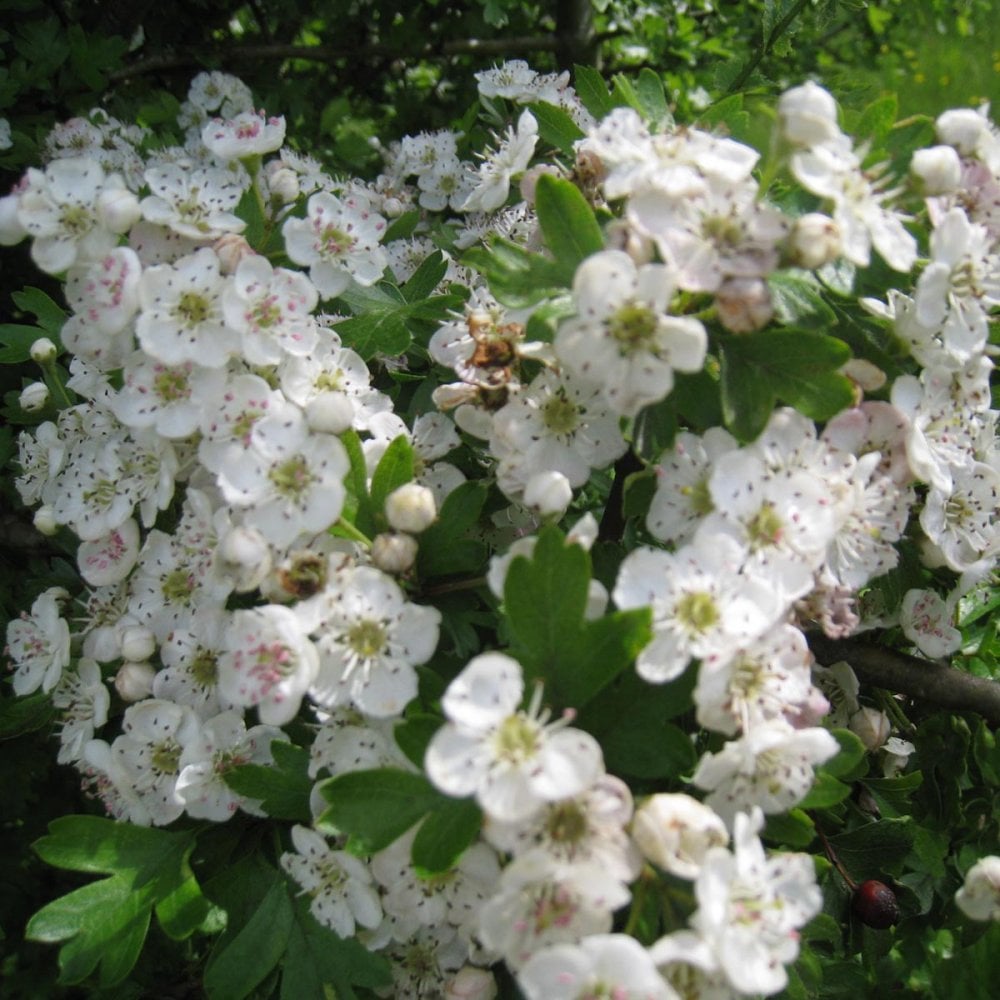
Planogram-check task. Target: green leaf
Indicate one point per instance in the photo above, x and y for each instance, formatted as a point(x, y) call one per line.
point(850, 757)
point(25, 715)
point(969, 971)
point(826, 791)
point(877, 119)
point(696, 397)
point(403, 226)
point(254, 950)
point(624, 94)
point(413, 735)
point(18, 339)
point(443, 548)
point(49, 314)
point(556, 127)
point(600, 650)
point(375, 807)
point(282, 788)
point(395, 468)
point(379, 331)
point(791, 829)
point(317, 958)
point(795, 366)
point(592, 91)
point(649, 88)
point(421, 284)
point(357, 483)
point(648, 747)
point(876, 848)
point(446, 832)
point(517, 277)
point(105, 923)
point(796, 298)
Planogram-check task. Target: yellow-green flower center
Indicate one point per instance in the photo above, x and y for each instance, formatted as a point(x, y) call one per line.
point(192, 309)
point(634, 327)
point(366, 638)
point(517, 739)
point(560, 415)
point(697, 611)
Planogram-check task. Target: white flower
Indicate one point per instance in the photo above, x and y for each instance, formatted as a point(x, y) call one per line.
point(197, 204)
point(223, 743)
point(770, 766)
point(979, 897)
point(750, 908)
point(338, 241)
point(495, 172)
point(182, 318)
point(808, 115)
point(340, 886)
point(675, 831)
point(512, 760)
point(938, 169)
point(926, 620)
point(190, 658)
point(268, 663)
point(621, 338)
point(962, 523)
point(106, 293)
point(611, 965)
point(370, 639)
point(83, 699)
point(148, 754)
point(39, 644)
point(251, 133)
point(271, 309)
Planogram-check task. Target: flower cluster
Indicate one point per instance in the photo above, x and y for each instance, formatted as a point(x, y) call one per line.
point(291, 397)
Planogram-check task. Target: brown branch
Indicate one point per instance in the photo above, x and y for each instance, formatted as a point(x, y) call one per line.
point(923, 680)
point(330, 53)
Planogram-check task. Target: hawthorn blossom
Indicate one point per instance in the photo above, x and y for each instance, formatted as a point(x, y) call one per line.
point(268, 663)
point(509, 159)
point(979, 896)
point(83, 699)
point(338, 884)
point(109, 559)
point(512, 760)
point(926, 619)
point(250, 133)
point(338, 241)
point(675, 832)
point(38, 644)
point(193, 203)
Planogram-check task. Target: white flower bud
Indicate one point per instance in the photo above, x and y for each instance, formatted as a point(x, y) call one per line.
point(676, 831)
point(743, 304)
point(863, 373)
point(134, 681)
point(282, 182)
point(394, 553)
point(330, 413)
point(808, 115)
point(231, 248)
point(961, 128)
point(45, 520)
point(392, 208)
point(897, 752)
point(938, 169)
point(979, 897)
point(34, 397)
point(411, 508)
point(597, 600)
point(118, 208)
point(11, 230)
point(43, 351)
point(138, 643)
point(814, 241)
point(244, 557)
point(470, 983)
point(871, 726)
point(548, 493)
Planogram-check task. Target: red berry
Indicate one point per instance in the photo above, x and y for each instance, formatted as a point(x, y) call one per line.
point(875, 904)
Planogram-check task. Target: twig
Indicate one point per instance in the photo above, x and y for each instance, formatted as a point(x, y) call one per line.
point(613, 520)
point(832, 855)
point(766, 44)
point(923, 680)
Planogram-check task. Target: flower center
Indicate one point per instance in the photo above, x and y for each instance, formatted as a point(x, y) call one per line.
point(517, 738)
point(634, 327)
point(171, 385)
point(76, 220)
point(292, 477)
point(566, 824)
point(205, 668)
point(560, 415)
point(177, 587)
point(766, 527)
point(335, 241)
point(699, 497)
point(165, 757)
point(366, 638)
point(697, 611)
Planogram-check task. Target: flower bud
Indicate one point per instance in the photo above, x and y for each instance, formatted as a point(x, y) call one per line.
point(244, 557)
point(743, 304)
point(937, 169)
point(282, 182)
point(392, 208)
point(117, 208)
point(34, 397)
point(961, 128)
point(814, 241)
point(45, 520)
point(808, 115)
point(871, 726)
point(43, 351)
point(330, 413)
point(411, 508)
point(548, 493)
point(134, 681)
point(979, 897)
point(394, 552)
point(138, 643)
point(675, 832)
point(231, 248)
point(470, 983)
